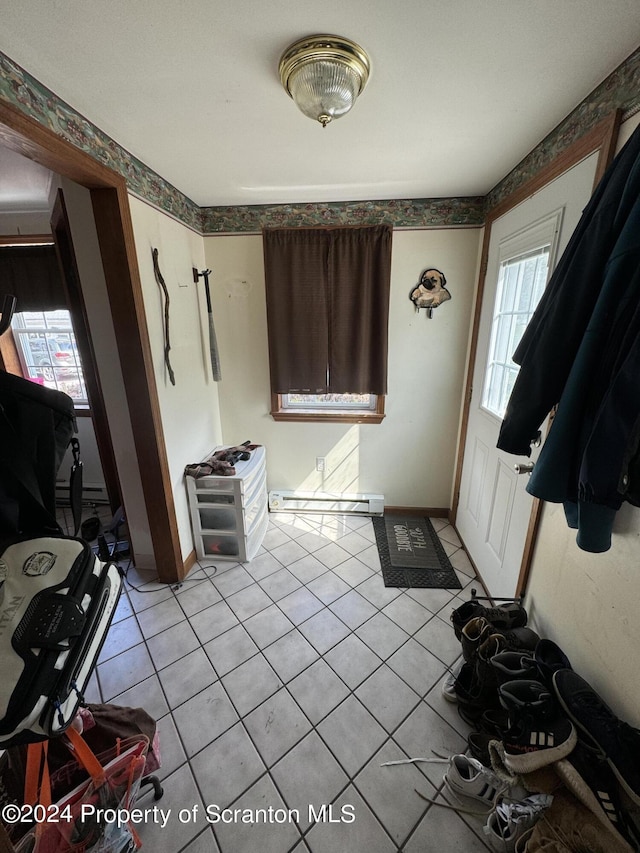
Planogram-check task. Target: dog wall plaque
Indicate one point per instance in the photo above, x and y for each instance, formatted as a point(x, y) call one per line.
point(430, 291)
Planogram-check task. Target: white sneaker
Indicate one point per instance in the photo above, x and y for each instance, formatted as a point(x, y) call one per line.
point(466, 776)
point(449, 684)
point(510, 820)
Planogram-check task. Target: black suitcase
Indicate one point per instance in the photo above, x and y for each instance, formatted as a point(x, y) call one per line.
point(57, 601)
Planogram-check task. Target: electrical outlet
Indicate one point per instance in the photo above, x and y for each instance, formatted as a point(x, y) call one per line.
point(320, 463)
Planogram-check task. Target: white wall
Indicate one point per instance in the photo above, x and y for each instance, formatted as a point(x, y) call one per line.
point(189, 409)
point(17, 222)
point(587, 603)
point(94, 290)
point(410, 457)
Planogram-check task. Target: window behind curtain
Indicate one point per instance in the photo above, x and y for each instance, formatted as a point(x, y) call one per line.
point(41, 325)
point(328, 308)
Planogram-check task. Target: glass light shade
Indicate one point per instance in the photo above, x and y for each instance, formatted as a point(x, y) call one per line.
point(324, 75)
point(324, 90)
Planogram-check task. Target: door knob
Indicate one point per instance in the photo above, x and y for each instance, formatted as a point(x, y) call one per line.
point(523, 467)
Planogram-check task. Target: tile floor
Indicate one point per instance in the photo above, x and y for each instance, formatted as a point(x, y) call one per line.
point(285, 683)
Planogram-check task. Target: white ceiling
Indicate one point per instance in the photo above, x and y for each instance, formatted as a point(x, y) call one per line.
point(460, 90)
point(24, 185)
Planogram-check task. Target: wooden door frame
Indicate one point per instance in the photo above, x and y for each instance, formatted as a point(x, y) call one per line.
point(601, 138)
point(114, 228)
point(63, 242)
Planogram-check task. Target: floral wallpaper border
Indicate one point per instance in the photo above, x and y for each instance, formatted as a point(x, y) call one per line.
point(404, 213)
point(26, 93)
point(619, 91)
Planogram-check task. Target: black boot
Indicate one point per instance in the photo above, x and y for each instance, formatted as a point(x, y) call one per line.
point(538, 733)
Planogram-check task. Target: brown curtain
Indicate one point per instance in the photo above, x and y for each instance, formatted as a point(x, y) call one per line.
point(328, 308)
point(32, 275)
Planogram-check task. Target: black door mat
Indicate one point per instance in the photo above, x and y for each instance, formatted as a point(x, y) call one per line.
point(411, 554)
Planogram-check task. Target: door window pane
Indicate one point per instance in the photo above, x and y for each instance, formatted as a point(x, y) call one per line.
point(521, 282)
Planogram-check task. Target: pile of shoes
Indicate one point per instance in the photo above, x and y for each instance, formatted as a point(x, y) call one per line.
point(509, 809)
point(539, 729)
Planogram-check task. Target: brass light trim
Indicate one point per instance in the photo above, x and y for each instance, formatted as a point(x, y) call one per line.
point(325, 48)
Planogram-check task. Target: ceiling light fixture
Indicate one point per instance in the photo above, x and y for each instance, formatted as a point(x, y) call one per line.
point(324, 75)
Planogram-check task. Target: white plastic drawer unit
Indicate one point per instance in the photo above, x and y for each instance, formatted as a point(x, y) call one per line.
point(213, 518)
point(228, 546)
point(240, 483)
point(210, 498)
point(229, 514)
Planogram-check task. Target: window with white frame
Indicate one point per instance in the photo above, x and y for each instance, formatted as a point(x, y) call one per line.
point(48, 351)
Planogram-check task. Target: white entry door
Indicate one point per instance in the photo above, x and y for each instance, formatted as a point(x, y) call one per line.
point(494, 508)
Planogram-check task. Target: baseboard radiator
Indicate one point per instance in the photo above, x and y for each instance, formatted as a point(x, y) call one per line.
point(353, 504)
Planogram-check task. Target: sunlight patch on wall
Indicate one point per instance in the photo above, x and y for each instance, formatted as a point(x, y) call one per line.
point(342, 467)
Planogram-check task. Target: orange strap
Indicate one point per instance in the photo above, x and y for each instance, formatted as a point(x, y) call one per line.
point(32, 773)
point(45, 791)
point(85, 756)
point(37, 783)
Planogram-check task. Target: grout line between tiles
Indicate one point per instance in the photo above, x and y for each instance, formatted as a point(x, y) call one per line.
point(351, 691)
point(296, 627)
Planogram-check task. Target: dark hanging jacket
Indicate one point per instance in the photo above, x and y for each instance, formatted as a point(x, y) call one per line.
point(36, 425)
point(581, 353)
